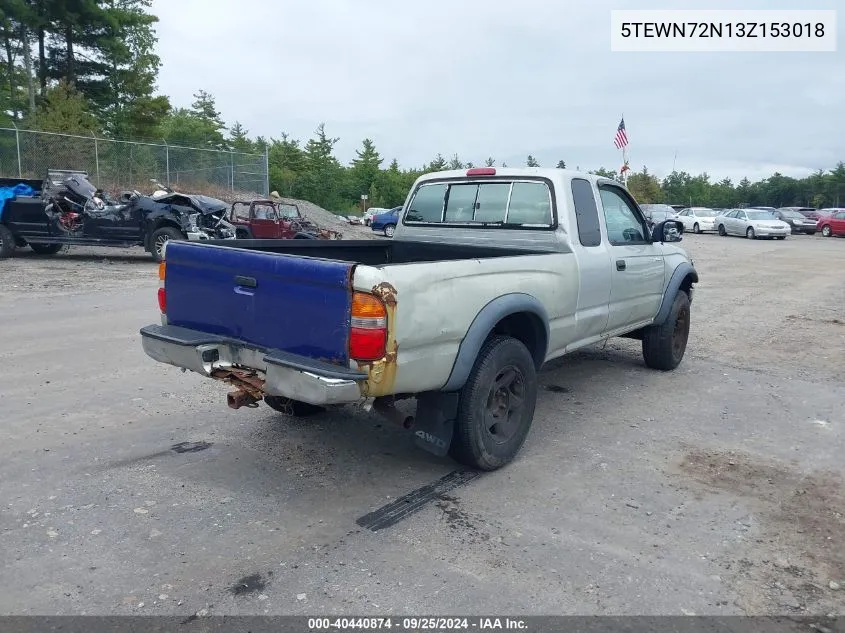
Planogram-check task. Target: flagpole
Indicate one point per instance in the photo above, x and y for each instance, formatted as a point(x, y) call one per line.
point(625, 164)
point(625, 157)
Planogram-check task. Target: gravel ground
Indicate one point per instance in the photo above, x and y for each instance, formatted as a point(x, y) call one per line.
point(714, 489)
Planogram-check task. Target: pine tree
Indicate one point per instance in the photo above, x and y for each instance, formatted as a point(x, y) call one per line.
point(365, 167)
point(239, 139)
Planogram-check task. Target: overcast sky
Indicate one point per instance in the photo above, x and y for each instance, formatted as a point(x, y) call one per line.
point(504, 79)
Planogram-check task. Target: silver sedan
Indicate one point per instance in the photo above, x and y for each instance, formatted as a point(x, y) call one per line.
point(752, 223)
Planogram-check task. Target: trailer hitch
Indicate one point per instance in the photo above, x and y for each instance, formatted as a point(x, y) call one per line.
point(249, 387)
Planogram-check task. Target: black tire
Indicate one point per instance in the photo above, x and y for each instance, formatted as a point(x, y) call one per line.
point(160, 237)
point(242, 234)
point(389, 230)
point(826, 231)
point(664, 345)
point(295, 408)
point(722, 230)
point(7, 242)
point(696, 228)
point(780, 237)
point(749, 233)
point(506, 363)
point(46, 249)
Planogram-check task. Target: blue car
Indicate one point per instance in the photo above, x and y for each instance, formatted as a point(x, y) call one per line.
point(386, 222)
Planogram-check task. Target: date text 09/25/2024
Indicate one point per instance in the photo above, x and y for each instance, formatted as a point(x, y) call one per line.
point(417, 624)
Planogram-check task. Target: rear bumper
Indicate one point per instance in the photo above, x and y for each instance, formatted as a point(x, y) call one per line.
point(285, 374)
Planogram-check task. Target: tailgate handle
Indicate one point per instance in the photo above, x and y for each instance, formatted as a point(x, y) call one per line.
point(248, 282)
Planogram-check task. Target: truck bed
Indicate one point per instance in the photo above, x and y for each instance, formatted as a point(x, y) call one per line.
point(288, 295)
point(374, 252)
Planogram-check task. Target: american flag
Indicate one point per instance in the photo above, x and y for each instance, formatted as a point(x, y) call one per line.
point(621, 138)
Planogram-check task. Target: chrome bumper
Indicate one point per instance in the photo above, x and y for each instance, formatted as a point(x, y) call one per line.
point(285, 374)
point(200, 236)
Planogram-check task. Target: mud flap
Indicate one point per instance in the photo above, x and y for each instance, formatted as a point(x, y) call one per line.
point(434, 421)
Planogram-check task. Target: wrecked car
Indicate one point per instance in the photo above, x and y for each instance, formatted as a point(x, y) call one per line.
point(67, 209)
point(269, 219)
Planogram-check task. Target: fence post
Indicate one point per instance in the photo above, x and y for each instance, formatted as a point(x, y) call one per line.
point(232, 181)
point(167, 159)
point(97, 160)
point(267, 168)
point(18, 144)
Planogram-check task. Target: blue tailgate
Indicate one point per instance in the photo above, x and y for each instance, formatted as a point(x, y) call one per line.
point(297, 304)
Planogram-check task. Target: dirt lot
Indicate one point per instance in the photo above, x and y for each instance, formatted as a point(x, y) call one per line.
point(129, 487)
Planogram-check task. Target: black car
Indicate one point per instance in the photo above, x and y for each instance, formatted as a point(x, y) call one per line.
point(66, 209)
point(797, 218)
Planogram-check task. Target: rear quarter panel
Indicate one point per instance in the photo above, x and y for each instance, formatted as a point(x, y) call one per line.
point(432, 305)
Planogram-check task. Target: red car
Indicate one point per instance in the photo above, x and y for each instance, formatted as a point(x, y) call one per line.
point(270, 220)
point(831, 222)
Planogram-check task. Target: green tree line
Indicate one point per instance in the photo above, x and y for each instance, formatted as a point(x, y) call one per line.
point(820, 189)
point(90, 67)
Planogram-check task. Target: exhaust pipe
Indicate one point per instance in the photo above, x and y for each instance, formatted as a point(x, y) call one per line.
point(241, 398)
point(387, 409)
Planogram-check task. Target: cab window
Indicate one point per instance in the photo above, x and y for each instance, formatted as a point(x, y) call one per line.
point(624, 224)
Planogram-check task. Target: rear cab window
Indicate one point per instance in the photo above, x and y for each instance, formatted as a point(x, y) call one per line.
point(586, 213)
point(491, 203)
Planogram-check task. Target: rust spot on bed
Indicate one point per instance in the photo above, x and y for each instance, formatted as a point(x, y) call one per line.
point(386, 292)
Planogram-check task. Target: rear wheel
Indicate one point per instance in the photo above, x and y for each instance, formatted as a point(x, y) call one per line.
point(696, 228)
point(496, 405)
point(722, 230)
point(296, 408)
point(749, 233)
point(7, 242)
point(389, 230)
point(826, 230)
point(46, 249)
point(664, 345)
point(160, 237)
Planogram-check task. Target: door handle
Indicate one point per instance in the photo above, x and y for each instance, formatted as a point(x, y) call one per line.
point(247, 282)
point(620, 264)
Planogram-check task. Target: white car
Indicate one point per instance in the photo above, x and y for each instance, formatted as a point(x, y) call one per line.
point(752, 223)
point(698, 219)
point(373, 211)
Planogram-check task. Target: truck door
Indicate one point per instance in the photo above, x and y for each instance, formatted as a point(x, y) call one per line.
point(593, 257)
point(636, 265)
point(264, 223)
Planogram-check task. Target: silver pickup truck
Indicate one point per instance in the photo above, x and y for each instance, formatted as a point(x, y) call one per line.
point(490, 273)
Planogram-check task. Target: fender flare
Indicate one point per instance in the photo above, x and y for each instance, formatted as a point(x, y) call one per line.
point(683, 272)
point(483, 324)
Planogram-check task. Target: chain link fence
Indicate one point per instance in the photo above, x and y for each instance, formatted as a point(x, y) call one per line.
point(124, 165)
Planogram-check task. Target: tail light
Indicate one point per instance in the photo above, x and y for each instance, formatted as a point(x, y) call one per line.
point(162, 295)
point(481, 171)
point(368, 327)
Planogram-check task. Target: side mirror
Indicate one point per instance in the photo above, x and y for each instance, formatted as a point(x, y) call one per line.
point(667, 231)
